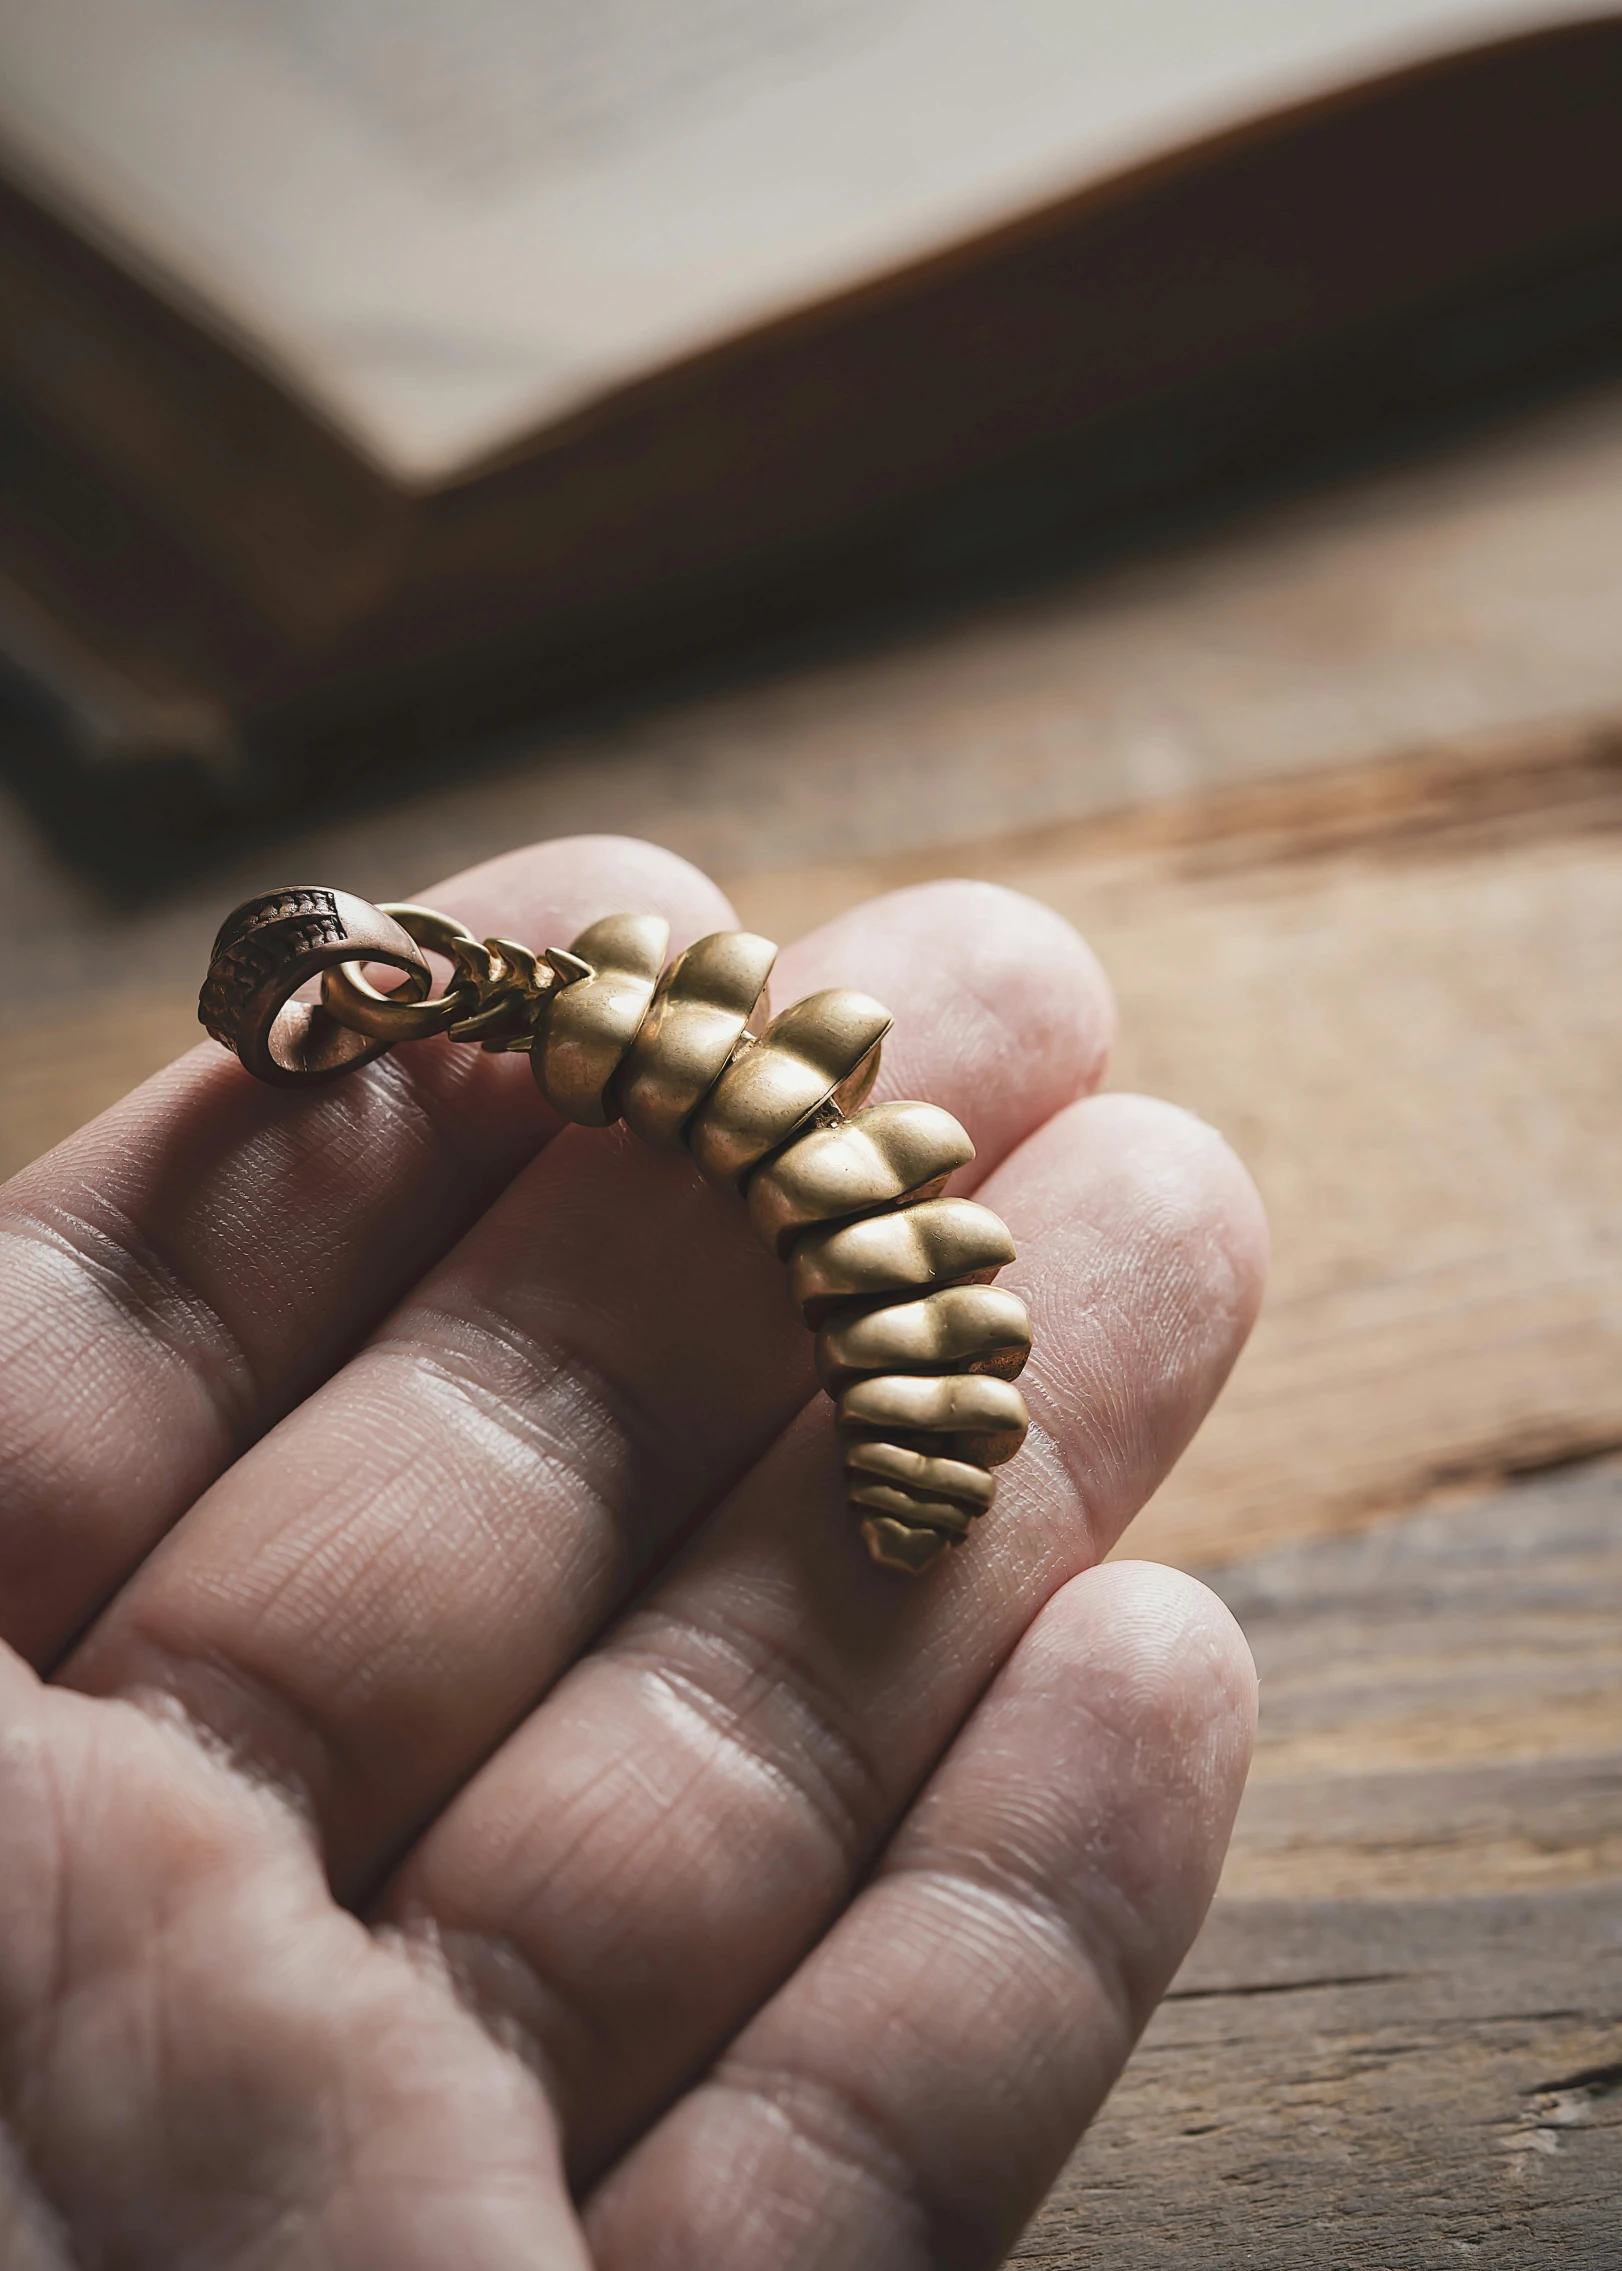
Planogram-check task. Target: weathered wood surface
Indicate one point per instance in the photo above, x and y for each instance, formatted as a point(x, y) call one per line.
point(1394, 988)
point(1339, 2086)
point(1348, 2077)
point(1441, 1699)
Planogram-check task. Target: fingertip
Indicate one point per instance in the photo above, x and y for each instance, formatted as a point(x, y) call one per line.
point(1186, 1159)
point(1142, 1258)
point(572, 880)
point(1236, 1212)
point(1004, 1013)
point(1161, 1687)
point(1176, 1655)
point(1164, 1195)
point(1036, 972)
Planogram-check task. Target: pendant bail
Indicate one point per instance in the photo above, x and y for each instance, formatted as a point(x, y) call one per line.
point(269, 948)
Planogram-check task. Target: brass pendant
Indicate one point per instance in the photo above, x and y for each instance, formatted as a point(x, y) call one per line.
point(915, 1345)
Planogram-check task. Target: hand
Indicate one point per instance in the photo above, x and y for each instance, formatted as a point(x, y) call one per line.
point(467, 1798)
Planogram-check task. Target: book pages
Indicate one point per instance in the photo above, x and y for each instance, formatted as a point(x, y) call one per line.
point(442, 223)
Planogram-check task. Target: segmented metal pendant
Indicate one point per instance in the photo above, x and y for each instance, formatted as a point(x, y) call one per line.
point(915, 1345)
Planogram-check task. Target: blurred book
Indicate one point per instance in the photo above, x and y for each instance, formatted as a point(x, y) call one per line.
point(372, 371)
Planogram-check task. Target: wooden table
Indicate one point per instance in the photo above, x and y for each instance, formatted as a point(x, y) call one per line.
point(1336, 789)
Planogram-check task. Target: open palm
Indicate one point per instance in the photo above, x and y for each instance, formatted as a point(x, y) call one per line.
point(466, 1797)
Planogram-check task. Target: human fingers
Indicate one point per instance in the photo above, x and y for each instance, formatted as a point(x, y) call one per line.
point(188, 1266)
point(202, 2060)
point(647, 1859)
point(375, 1595)
point(910, 2094)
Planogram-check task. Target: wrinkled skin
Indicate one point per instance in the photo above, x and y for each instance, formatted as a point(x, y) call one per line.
point(466, 1798)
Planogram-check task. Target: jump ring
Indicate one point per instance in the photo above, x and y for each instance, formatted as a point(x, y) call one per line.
point(404, 1015)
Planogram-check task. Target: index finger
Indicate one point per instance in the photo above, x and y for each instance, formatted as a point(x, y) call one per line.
point(194, 1262)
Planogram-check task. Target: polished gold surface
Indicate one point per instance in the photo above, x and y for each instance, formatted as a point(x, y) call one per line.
point(917, 1511)
point(510, 985)
point(883, 1157)
point(939, 1242)
point(913, 1342)
point(823, 1051)
point(914, 1502)
point(701, 1009)
point(962, 1328)
point(587, 1028)
point(398, 1016)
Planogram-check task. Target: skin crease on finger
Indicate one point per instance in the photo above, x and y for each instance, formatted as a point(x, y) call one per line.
point(228, 2076)
point(207, 2066)
point(195, 1260)
point(909, 2095)
point(369, 1601)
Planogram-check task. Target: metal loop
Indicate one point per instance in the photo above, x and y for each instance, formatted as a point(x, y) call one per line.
point(273, 945)
point(404, 1015)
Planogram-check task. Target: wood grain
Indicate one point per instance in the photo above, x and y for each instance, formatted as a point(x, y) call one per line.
point(1441, 1699)
point(1387, 974)
point(1393, 988)
point(1347, 2086)
point(1471, 588)
point(56, 1076)
point(1397, 2045)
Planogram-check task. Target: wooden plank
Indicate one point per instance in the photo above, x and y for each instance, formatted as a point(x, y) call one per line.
point(1393, 987)
point(1441, 1699)
point(1366, 2087)
point(54, 1077)
point(1389, 982)
point(1394, 984)
point(1355, 2077)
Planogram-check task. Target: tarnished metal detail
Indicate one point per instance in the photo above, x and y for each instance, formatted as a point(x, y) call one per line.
point(702, 1009)
point(909, 1514)
point(965, 1415)
point(495, 992)
point(269, 948)
point(388, 1017)
point(895, 1466)
point(962, 1328)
